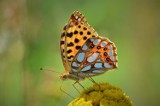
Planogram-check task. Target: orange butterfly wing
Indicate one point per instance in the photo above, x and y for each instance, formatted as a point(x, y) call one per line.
point(73, 36)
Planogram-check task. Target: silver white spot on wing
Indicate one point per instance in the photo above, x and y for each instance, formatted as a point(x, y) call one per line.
point(84, 47)
point(104, 43)
point(76, 17)
point(96, 41)
point(74, 70)
point(106, 65)
point(93, 57)
point(86, 68)
point(91, 40)
point(79, 19)
point(110, 47)
point(110, 53)
point(74, 64)
point(98, 71)
point(80, 57)
point(112, 58)
point(98, 65)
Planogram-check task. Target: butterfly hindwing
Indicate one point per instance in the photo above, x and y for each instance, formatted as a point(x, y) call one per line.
point(96, 56)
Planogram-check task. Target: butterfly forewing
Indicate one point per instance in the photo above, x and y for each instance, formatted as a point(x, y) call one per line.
point(73, 36)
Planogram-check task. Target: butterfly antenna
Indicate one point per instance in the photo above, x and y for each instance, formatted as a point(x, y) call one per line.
point(65, 91)
point(45, 69)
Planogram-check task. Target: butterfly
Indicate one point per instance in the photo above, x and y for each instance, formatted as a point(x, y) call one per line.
point(84, 53)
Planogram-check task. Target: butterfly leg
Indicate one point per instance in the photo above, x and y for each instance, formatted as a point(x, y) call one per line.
point(90, 78)
point(65, 92)
point(76, 88)
point(81, 85)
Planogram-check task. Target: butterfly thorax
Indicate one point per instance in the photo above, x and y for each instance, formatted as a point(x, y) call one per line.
point(73, 76)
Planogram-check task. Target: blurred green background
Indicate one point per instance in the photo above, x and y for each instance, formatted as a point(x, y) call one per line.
point(29, 39)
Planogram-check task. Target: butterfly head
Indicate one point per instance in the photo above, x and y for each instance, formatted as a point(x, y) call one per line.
point(63, 76)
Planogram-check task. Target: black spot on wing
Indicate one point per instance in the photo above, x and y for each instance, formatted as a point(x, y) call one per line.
point(75, 32)
point(70, 44)
point(88, 33)
point(78, 47)
point(62, 42)
point(69, 57)
point(81, 33)
point(69, 51)
point(62, 35)
point(84, 38)
point(76, 40)
point(85, 28)
point(69, 34)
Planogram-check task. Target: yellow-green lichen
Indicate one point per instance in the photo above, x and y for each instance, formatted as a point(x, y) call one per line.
point(102, 94)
